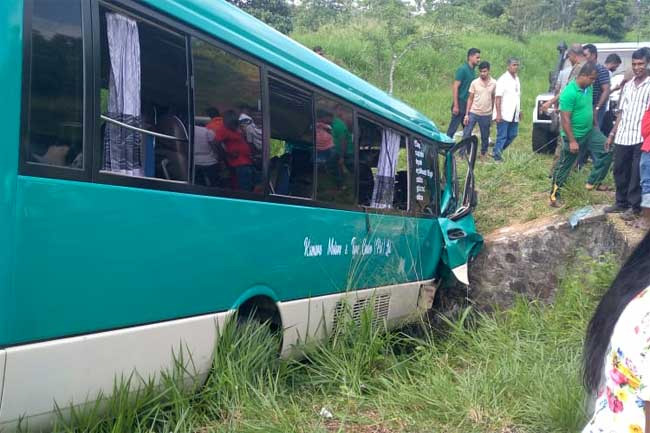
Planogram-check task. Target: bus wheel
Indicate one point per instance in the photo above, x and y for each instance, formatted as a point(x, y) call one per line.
point(262, 310)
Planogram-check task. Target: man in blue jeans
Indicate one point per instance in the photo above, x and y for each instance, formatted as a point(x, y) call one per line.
point(460, 89)
point(480, 106)
point(507, 113)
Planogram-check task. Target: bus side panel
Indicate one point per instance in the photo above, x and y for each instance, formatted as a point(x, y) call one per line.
point(10, 77)
point(3, 357)
point(431, 246)
point(75, 370)
point(95, 257)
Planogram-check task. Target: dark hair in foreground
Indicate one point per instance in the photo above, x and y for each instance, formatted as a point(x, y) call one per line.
point(613, 58)
point(633, 277)
point(484, 65)
point(588, 69)
point(473, 51)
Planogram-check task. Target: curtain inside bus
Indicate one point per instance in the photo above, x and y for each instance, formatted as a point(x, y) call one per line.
point(384, 189)
point(121, 145)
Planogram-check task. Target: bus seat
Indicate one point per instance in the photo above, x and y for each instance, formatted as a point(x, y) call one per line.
point(171, 155)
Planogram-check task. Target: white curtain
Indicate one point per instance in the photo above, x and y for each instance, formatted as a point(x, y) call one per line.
point(382, 194)
point(123, 147)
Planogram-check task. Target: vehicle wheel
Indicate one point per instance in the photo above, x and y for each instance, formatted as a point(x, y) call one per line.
point(544, 141)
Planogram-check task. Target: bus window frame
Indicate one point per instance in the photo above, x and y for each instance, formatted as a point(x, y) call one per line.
point(407, 134)
point(30, 168)
point(92, 140)
point(170, 25)
point(292, 80)
point(296, 84)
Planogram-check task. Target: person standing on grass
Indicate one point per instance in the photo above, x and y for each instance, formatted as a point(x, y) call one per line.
point(480, 106)
point(460, 89)
point(612, 62)
point(601, 94)
point(601, 86)
point(507, 104)
point(577, 59)
point(644, 171)
point(616, 350)
point(627, 139)
point(578, 132)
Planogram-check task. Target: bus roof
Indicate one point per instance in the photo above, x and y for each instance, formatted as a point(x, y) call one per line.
point(234, 26)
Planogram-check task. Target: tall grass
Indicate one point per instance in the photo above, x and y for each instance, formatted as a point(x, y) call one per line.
point(516, 191)
point(514, 370)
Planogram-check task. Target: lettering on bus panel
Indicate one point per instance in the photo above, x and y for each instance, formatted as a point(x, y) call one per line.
point(354, 247)
point(424, 176)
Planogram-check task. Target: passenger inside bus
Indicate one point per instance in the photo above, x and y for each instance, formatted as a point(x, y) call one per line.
point(292, 149)
point(324, 141)
point(238, 152)
point(206, 158)
point(227, 101)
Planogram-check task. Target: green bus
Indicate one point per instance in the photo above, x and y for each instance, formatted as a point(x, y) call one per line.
point(169, 162)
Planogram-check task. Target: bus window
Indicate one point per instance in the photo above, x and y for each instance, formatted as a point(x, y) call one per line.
point(291, 168)
point(143, 98)
point(334, 152)
point(424, 157)
point(56, 87)
point(379, 150)
point(228, 120)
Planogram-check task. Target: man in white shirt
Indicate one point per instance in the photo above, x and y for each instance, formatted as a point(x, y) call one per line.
point(507, 113)
point(627, 139)
point(206, 161)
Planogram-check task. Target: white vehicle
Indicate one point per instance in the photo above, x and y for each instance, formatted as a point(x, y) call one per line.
point(545, 124)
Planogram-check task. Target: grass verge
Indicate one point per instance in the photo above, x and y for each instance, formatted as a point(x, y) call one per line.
point(511, 371)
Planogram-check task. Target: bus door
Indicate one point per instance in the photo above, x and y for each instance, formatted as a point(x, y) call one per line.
point(457, 200)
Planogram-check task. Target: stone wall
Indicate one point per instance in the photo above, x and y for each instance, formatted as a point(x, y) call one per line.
point(529, 259)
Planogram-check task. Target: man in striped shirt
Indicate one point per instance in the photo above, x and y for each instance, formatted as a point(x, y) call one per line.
point(626, 135)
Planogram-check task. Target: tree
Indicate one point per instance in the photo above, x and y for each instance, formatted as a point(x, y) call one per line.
point(312, 14)
point(602, 17)
point(276, 13)
point(394, 31)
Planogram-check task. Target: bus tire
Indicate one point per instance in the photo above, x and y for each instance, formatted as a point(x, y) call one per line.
point(263, 310)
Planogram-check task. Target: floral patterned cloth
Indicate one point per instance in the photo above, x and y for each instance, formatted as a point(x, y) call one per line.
point(626, 384)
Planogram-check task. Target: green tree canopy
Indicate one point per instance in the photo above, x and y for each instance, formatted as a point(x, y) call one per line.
point(276, 13)
point(312, 14)
point(602, 17)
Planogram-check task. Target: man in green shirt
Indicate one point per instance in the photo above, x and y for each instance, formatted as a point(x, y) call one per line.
point(460, 89)
point(578, 132)
point(342, 137)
